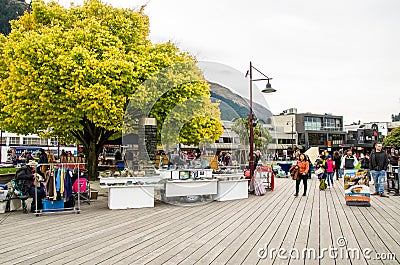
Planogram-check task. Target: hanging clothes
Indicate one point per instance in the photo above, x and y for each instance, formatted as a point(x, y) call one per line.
point(62, 177)
point(50, 184)
point(68, 184)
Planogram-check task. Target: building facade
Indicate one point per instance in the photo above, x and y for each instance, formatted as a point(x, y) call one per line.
point(294, 130)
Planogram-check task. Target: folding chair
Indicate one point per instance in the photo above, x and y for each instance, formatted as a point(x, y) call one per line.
point(81, 188)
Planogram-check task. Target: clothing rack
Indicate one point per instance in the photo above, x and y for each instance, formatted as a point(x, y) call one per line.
point(77, 205)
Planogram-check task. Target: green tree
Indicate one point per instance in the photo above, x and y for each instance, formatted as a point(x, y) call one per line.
point(10, 10)
point(393, 138)
point(261, 135)
point(75, 70)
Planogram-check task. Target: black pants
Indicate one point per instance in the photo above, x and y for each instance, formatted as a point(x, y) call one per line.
point(304, 178)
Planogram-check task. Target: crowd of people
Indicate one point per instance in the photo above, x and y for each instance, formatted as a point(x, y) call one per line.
point(328, 166)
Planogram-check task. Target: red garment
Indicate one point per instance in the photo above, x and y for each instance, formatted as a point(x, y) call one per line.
point(303, 167)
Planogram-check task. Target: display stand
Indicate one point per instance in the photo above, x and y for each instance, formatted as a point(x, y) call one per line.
point(231, 187)
point(356, 188)
point(132, 196)
point(266, 175)
point(130, 192)
point(393, 180)
point(187, 185)
point(174, 188)
point(57, 206)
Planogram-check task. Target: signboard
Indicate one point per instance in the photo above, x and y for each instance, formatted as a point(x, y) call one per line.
point(356, 188)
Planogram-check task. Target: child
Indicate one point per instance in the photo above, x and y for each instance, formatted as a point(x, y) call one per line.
point(320, 172)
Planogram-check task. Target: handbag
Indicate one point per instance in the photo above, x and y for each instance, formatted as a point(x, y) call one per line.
point(294, 172)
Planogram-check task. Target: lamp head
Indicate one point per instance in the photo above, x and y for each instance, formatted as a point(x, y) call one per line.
point(268, 89)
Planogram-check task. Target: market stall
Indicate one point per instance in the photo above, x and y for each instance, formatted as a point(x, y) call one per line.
point(130, 192)
point(187, 185)
point(231, 184)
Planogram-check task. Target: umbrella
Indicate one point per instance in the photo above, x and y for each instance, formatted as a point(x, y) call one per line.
point(312, 153)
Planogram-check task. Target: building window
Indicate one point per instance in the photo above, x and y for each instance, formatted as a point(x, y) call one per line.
point(337, 139)
point(31, 141)
point(339, 125)
point(43, 141)
point(329, 123)
point(302, 139)
point(312, 123)
point(317, 139)
point(285, 141)
point(14, 140)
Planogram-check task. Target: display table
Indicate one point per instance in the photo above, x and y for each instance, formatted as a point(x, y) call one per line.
point(132, 196)
point(174, 188)
point(231, 187)
point(106, 182)
point(130, 192)
point(177, 174)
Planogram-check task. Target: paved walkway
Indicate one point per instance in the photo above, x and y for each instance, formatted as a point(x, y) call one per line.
point(234, 232)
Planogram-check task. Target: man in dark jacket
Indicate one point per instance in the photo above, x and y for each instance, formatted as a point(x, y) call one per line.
point(379, 161)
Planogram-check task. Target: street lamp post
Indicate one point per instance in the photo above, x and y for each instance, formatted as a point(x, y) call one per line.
point(292, 124)
point(250, 117)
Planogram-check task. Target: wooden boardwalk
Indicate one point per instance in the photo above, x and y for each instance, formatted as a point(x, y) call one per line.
point(232, 232)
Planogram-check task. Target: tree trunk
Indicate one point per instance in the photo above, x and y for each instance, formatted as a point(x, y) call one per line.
point(92, 161)
point(93, 139)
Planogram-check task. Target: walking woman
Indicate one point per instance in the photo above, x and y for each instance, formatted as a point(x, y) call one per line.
point(303, 165)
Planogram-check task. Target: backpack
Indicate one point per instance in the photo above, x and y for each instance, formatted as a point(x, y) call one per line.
point(24, 173)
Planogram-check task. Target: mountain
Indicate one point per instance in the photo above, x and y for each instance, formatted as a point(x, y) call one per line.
point(234, 106)
point(231, 88)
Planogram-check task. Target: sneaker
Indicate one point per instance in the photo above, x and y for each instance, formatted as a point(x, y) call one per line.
point(304, 194)
point(296, 195)
point(384, 195)
point(375, 193)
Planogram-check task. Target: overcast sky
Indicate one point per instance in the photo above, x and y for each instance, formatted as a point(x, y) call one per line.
point(340, 57)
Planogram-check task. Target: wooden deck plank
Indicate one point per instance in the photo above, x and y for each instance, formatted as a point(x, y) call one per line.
point(289, 239)
point(187, 246)
point(253, 233)
point(341, 227)
point(377, 235)
point(242, 214)
point(389, 237)
point(128, 236)
point(68, 242)
point(313, 240)
point(179, 232)
point(334, 225)
point(304, 228)
point(355, 231)
point(218, 232)
point(325, 231)
point(206, 253)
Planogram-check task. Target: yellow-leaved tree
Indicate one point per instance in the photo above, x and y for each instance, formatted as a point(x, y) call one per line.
point(74, 70)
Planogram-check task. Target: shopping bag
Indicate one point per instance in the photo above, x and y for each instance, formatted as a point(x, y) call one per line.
point(259, 188)
point(319, 171)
